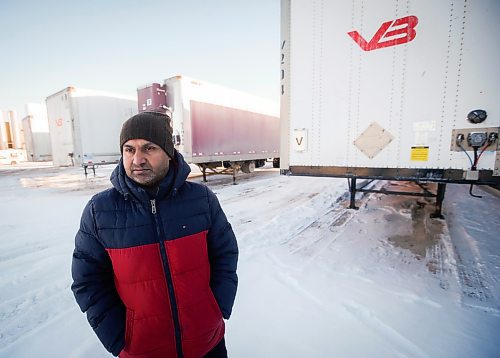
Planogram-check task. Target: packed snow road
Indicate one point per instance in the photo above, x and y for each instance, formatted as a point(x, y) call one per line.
point(316, 279)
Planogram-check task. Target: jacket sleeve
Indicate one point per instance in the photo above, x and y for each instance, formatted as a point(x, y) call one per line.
point(93, 285)
point(223, 257)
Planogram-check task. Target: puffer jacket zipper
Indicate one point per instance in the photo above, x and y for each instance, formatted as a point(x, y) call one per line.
point(168, 276)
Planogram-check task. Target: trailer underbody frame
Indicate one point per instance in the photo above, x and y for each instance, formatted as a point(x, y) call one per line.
point(419, 176)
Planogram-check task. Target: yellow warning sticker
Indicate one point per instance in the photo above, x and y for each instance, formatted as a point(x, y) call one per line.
point(419, 154)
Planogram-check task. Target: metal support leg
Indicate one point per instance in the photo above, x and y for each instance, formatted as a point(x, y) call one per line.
point(352, 190)
point(204, 172)
point(439, 201)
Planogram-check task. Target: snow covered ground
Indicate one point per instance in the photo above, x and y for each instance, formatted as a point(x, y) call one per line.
point(316, 279)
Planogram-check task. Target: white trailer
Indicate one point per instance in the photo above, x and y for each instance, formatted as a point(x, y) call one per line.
point(85, 125)
point(36, 133)
point(394, 90)
point(214, 126)
point(37, 142)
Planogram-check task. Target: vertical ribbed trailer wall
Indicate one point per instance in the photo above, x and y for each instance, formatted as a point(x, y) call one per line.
point(386, 89)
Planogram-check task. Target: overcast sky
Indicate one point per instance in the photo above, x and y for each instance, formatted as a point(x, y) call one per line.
point(119, 45)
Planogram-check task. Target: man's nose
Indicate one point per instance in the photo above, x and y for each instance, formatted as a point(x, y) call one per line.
point(139, 158)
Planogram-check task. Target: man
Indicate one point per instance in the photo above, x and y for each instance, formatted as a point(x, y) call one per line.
point(154, 265)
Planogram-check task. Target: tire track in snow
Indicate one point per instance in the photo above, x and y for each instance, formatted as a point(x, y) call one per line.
point(27, 312)
point(289, 206)
point(313, 239)
point(473, 244)
point(368, 318)
point(309, 238)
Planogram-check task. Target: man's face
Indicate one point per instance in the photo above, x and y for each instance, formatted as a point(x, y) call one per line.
point(145, 162)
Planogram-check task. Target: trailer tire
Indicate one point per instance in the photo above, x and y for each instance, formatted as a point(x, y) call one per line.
point(276, 162)
point(248, 166)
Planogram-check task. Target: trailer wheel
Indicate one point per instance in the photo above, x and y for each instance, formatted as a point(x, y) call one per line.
point(276, 162)
point(248, 167)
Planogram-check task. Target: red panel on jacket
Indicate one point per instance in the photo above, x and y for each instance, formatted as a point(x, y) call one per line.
point(199, 314)
point(141, 283)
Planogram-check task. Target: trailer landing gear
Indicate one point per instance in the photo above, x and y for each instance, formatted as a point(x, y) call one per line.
point(216, 168)
point(439, 195)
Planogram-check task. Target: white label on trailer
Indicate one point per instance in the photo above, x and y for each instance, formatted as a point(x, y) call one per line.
point(300, 140)
point(424, 133)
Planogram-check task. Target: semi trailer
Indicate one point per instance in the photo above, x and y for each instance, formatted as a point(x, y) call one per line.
point(221, 130)
point(84, 125)
point(391, 90)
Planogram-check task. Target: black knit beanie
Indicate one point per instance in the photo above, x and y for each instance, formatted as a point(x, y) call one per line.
point(151, 126)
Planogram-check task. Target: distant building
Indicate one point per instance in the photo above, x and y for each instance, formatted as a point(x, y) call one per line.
point(12, 146)
point(10, 131)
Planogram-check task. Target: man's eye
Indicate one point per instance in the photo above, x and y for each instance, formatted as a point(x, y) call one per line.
point(127, 149)
point(149, 149)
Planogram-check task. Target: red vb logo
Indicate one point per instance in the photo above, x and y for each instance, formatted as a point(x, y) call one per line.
point(390, 33)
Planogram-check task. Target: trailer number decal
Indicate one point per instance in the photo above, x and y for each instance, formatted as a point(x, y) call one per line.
point(390, 33)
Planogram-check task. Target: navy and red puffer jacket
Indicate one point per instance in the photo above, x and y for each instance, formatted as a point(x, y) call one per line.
point(156, 276)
